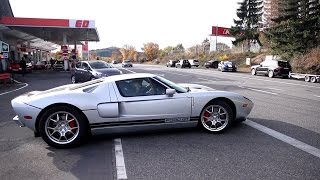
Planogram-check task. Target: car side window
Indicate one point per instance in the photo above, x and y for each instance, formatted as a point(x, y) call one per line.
point(78, 65)
point(85, 66)
point(140, 87)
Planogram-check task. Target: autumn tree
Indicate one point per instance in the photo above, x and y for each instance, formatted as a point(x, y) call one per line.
point(115, 55)
point(128, 52)
point(151, 50)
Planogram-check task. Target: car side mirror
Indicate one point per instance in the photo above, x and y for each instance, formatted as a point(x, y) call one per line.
point(170, 92)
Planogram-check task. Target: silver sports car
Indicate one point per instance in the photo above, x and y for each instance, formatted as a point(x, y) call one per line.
point(65, 116)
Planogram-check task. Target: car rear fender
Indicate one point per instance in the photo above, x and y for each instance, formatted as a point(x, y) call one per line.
point(55, 105)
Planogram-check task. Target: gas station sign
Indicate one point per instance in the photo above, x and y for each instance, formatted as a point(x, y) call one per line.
point(81, 23)
point(220, 31)
point(4, 47)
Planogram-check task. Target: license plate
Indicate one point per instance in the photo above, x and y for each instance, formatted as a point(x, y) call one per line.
point(182, 119)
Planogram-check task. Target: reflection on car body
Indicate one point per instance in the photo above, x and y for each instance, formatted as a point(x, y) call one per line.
point(63, 116)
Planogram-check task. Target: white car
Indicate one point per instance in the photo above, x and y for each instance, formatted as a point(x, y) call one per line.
point(194, 62)
point(65, 116)
point(126, 63)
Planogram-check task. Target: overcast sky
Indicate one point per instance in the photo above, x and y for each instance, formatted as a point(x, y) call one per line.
point(135, 22)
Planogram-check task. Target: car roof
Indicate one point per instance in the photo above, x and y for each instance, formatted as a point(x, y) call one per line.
point(128, 76)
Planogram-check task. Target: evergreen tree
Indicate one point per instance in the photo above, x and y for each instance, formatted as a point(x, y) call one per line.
point(247, 26)
point(296, 30)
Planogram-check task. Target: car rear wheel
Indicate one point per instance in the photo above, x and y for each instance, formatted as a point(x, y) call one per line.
point(270, 74)
point(253, 72)
point(73, 79)
point(216, 117)
point(63, 127)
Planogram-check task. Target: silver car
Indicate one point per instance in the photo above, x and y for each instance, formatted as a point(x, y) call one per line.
point(65, 116)
point(127, 63)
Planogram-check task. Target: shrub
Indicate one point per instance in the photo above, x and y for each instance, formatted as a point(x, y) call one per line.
point(308, 63)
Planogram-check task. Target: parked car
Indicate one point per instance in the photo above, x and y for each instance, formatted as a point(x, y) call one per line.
point(171, 63)
point(65, 116)
point(115, 62)
point(41, 65)
point(194, 62)
point(15, 67)
point(272, 68)
point(212, 64)
point(126, 63)
point(183, 63)
point(58, 65)
point(227, 66)
point(90, 70)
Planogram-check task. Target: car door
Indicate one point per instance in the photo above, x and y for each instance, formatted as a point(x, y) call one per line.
point(151, 103)
point(86, 72)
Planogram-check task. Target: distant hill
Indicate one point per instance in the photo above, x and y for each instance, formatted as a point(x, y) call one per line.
point(105, 52)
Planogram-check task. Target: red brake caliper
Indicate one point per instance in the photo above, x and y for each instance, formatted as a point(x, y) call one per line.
point(206, 115)
point(72, 124)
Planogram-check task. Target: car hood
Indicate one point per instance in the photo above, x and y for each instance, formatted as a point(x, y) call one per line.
point(109, 71)
point(196, 87)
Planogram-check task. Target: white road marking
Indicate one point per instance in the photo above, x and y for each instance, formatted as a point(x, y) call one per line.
point(258, 90)
point(207, 79)
point(120, 166)
point(317, 96)
point(25, 85)
point(294, 142)
point(275, 89)
point(177, 74)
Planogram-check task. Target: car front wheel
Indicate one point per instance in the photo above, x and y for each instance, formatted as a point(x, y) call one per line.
point(216, 117)
point(63, 127)
point(73, 79)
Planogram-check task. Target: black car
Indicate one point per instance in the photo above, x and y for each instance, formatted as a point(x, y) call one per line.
point(58, 65)
point(212, 64)
point(171, 63)
point(89, 70)
point(183, 63)
point(227, 66)
point(272, 68)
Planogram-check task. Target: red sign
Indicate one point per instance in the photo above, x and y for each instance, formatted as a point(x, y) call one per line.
point(85, 46)
point(220, 31)
point(82, 23)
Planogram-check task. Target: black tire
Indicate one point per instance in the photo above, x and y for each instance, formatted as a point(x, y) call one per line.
point(78, 138)
point(253, 72)
point(307, 78)
point(270, 74)
point(73, 79)
point(313, 79)
point(215, 118)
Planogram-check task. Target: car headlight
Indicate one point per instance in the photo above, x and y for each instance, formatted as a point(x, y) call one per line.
point(120, 72)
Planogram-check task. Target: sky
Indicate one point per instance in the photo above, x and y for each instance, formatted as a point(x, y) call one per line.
point(136, 22)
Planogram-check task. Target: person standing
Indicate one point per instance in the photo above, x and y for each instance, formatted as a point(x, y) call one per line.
point(23, 66)
point(52, 63)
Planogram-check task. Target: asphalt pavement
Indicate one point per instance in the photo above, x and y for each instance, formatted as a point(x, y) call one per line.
point(288, 107)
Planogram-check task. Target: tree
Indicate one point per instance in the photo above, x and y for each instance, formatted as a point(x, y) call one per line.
point(151, 50)
point(247, 26)
point(115, 55)
point(296, 30)
point(128, 52)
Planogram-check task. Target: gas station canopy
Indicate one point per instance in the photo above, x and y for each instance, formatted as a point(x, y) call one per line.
point(44, 33)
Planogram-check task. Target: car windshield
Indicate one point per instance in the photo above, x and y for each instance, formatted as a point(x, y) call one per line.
point(99, 65)
point(127, 61)
point(171, 84)
point(228, 62)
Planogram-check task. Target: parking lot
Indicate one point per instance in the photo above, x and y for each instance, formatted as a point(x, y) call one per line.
point(280, 139)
